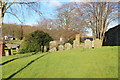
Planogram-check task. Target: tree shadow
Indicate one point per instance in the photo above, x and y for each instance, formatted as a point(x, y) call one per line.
point(23, 67)
point(15, 59)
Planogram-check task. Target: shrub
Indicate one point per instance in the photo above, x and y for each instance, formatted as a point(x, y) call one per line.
point(34, 41)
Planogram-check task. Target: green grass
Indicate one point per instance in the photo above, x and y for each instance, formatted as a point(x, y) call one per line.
point(74, 63)
point(6, 58)
point(12, 67)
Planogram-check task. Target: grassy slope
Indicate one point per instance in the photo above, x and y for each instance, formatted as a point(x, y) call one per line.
point(6, 58)
point(75, 63)
point(12, 67)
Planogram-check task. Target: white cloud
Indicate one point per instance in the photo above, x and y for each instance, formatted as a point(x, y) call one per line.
point(54, 3)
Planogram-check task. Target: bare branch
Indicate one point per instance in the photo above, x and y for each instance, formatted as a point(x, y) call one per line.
point(15, 16)
point(8, 6)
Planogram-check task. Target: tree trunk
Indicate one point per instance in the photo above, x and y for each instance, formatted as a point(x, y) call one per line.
point(1, 21)
point(21, 33)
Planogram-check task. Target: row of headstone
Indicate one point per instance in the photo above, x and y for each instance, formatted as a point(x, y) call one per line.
point(97, 43)
point(54, 46)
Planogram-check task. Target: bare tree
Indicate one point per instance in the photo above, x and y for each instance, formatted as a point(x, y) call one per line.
point(6, 4)
point(70, 18)
point(98, 16)
point(64, 13)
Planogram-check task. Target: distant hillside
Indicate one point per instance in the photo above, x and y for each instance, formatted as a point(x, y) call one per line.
point(112, 37)
point(20, 31)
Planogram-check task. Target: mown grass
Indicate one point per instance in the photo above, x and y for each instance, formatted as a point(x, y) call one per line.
point(74, 63)
point(7, 58)
point(12, 67)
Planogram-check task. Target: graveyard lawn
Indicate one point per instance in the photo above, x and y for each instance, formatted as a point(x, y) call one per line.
point(74, 63)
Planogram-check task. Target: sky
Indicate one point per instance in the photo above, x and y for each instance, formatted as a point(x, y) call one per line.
point(48, 9)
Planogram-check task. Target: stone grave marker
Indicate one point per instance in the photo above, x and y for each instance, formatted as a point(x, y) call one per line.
point(97, 43)
point(52, 46)
point(88, 44)
point(68, 46)
point(45, 49)
point(76, 42)
point(60, 47)
point(53, 49)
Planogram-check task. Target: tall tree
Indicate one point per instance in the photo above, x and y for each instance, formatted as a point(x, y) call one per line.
point(64, 13)
point(70, 18)
point(98, 15)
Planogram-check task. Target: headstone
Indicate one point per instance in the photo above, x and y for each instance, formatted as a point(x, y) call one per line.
point(52, 46)
point(68, 46)
point(76, 42)
point(60, 47)
point(97, 43)
point(53, 49)
point(45, 49)
point(77, 38)
point(88, 44)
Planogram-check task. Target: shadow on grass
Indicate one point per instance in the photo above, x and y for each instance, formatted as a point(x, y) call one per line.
point(24, 67)
point(15, 59)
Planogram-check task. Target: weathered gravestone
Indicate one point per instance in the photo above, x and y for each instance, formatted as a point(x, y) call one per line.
point(68, 46)
point(52, 46)
point(45, 49)
point(76, 42)
point(88, 44)
point(60, 47)
point(53, 49)
point(97, 43)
